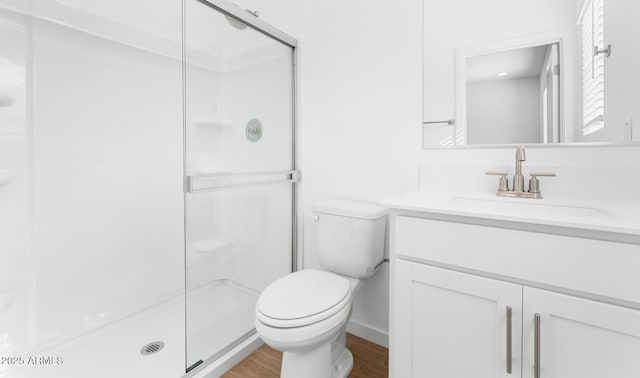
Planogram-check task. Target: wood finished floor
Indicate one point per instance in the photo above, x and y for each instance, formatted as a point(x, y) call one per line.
point(369, 361)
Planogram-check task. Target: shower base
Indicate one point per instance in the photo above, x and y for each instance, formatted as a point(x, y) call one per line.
point(221, 312)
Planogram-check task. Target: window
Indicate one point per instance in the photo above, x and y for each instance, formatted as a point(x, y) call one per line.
point(591, 25)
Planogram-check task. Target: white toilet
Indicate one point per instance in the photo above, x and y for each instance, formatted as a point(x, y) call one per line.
point(305, 314)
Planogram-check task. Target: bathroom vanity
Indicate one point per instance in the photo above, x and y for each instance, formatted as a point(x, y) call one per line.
point(490, 287)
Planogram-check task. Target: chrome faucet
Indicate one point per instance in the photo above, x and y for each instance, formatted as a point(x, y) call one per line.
point(518, 180)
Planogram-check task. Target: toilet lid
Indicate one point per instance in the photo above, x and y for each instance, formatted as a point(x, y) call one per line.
point(303, 294)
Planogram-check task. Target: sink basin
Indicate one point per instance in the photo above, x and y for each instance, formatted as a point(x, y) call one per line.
point(526, 208)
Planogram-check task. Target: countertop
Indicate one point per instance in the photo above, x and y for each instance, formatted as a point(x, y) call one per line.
point(608, 220)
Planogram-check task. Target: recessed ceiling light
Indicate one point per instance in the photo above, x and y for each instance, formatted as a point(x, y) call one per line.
point(503, 73)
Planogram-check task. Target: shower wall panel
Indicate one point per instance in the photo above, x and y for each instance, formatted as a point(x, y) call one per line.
point(260, 89)
point(107, 165)
point(15, 185)
point(91, 226)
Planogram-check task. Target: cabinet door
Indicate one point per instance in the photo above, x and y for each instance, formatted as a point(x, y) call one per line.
point(580, 338)
point(454, 325)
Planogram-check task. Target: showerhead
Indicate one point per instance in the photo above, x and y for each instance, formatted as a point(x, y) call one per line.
point(235, 23)
point(239, 24)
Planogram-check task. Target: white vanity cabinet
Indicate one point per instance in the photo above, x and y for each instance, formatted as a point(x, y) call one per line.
point(451, 324)
point(574, 314)
point(579, 338)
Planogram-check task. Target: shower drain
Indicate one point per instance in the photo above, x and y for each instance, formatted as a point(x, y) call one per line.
point(152, 348)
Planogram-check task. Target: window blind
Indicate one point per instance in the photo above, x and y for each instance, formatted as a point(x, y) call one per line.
point(591, 23)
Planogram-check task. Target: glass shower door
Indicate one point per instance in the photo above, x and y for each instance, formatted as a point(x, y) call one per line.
point(239, 163)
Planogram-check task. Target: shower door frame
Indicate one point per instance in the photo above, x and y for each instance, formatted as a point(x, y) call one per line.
point(292, 176)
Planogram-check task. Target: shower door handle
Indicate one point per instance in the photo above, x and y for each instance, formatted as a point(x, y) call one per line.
point(208, 182)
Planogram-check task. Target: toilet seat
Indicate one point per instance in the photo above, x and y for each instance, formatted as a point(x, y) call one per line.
point(304, 337)
point(303, 298)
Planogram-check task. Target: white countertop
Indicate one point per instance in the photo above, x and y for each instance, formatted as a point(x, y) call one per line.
point(612, 217)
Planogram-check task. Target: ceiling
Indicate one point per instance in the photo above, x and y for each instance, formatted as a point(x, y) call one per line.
point(517, 63)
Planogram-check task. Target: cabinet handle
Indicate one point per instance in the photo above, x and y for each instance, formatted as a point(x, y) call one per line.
point(509, 339)
point(536, 346)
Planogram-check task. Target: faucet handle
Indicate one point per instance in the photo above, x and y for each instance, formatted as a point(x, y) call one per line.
point(534, 184)
point(503, 182)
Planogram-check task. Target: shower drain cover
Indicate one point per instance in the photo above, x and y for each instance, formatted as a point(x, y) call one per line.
point(152, 348)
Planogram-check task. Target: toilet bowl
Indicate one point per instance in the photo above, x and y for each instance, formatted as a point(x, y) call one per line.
point(305, 314)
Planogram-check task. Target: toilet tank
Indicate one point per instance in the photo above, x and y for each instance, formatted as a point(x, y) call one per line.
point(350, 236)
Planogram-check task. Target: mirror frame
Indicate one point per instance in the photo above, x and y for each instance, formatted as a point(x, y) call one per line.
point(566, 41)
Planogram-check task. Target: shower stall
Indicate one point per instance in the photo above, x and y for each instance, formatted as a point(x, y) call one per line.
point(147, 183)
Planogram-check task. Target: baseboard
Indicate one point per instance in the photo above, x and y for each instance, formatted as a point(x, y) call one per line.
point(367, 332)
point(230, 359)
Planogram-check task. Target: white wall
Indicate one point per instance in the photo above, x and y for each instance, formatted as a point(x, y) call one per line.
point(504, 111)
point(360, 95)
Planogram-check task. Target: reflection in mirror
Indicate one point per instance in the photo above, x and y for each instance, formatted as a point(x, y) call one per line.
point(513, 96)
point(567, 49)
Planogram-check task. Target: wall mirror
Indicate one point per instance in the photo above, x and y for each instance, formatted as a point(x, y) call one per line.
point(499, 72)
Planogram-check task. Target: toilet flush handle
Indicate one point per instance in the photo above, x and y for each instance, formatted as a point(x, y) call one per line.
point(314, 217)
